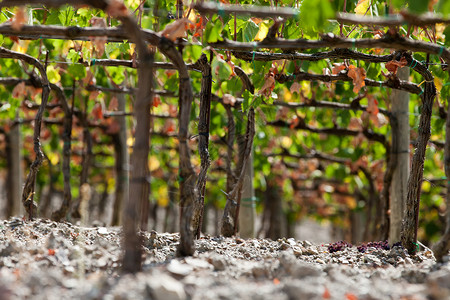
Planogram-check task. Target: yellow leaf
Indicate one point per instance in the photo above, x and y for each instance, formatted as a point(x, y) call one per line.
point(133, 4)
point(287, 95)
point(286, 142)
point(69, 45)
point(130, 142)
point(426, 186)
point(306, 88)
point(262, 33)
point(163, 199)
point(53, 75)
point(351, 202)
point(362, 7)
point(153, 163)
point(53, 158)
point(21, 47)
point(132, 49)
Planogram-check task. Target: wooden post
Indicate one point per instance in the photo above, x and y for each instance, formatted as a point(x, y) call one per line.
point(122, 165)
point(15, 170)
point(247, 210)
point(399, 153)
point(442, 247)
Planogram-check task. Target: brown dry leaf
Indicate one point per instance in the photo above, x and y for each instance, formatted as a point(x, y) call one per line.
point(117, 8)
point(393, 65)
point(19, 90)
point(282, 113)
point(269, 85)
point(113, 126)
point(98, 22)
point(295, 88)
point(232, 65)
point(229, 99)
point(33, 91)
point(98, 41)
point(372, 107)
point(113, 104)
point(173, 110)
point(97, 111)
point(358, 75)
point(256, 20)
point(355, 124)
point(337, 68)
point(431, 5)
point(89, 79)
point(357, 140)
point(156, 101)
point(375, 120)
point(294, 122)
point(176, 29)
point(93, 95)
point(19, 19)
point(169, 126)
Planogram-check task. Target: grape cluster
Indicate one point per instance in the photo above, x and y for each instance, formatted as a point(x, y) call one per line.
point(377, 245)
point(338, 246)
point(341, 245)
point(398, 244)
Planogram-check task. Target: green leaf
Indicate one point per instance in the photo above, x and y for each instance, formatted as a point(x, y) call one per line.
point(248, 99)
point(373, 71)
point(111, 47)
point(418, 6)
point(314, 14)
point(292, 31)
point(53, 18)
point(66, 16)
point(257, 101)
point(78, 71)
point(73, 56)
point(195, 52)
point(447, 36)
point(212, 31)
point(444, 7)
point(250, 30)
point(221, 70)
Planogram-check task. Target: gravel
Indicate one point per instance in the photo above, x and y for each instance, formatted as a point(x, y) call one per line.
point(42, 259)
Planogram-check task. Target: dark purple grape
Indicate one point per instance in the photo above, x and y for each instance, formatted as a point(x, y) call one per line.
point(338, 246)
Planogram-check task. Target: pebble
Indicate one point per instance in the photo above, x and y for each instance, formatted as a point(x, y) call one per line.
point(177, 268)
point(297, 251)
point(102, 230)
point(164, 287)
point(254, 268)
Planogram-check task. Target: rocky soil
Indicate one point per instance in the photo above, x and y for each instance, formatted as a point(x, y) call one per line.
point(47, 260)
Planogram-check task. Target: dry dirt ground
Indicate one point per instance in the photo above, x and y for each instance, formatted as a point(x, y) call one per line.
point(47, 260)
